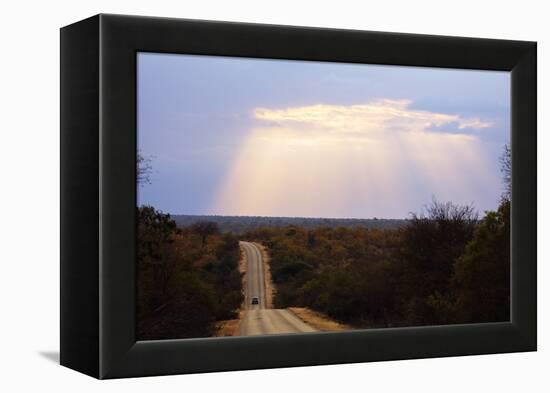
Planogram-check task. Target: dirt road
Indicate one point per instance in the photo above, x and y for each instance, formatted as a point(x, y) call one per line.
point(257, 318)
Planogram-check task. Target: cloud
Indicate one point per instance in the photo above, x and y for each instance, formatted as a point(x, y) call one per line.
point(475, 124)
point(377, 159)
point(375, 117)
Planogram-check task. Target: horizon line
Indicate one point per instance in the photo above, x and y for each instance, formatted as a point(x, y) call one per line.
point(304, 217)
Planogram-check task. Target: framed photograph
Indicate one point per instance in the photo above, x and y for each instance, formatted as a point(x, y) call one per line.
point(240, 196)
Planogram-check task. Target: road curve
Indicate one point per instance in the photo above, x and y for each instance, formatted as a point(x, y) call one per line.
point(257, 319)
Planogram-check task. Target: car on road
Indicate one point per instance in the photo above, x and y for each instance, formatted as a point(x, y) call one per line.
point(255, 300)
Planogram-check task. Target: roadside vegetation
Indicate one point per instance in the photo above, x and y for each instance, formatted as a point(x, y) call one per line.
point(188, 279)
point(446, 266)
point(242, 224)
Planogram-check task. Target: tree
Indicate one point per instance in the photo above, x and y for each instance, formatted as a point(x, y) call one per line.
point(144, 169)
point(184, 285)
point(481, 282)
point(482, 274)
point(431, 243)
point(205, 229)
point(155, 235)
point(506, 170)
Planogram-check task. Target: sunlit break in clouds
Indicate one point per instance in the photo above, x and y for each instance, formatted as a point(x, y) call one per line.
point(355, 160)
point(256, 137)
point(362, 118)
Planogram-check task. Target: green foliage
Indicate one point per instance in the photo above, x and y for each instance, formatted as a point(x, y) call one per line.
point(187, 279)
point(243, 224)
point(482, 274)
point(205, 229)
point(445, 266)
point(343, 272)
point(431, 244)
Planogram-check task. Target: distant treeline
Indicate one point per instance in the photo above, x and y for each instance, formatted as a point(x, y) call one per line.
point(187, 278)
point(444, 267)
point(242, 224)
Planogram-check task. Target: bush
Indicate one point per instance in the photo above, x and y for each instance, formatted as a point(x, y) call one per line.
point(187, 280)
point(482, 274)
point(445, 266)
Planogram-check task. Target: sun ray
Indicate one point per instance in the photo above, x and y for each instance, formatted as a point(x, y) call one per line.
point(350, 161)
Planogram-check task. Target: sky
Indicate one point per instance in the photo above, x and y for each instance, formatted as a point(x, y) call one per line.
point(265, 137)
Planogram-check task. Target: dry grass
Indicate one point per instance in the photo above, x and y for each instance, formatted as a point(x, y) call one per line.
point(226, 328)
point(242, 269)
point(318, 320)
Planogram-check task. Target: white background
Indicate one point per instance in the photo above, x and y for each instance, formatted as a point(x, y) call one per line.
point(29, 197)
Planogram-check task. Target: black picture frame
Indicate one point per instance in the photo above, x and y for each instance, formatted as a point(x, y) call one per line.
point(98, 196)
